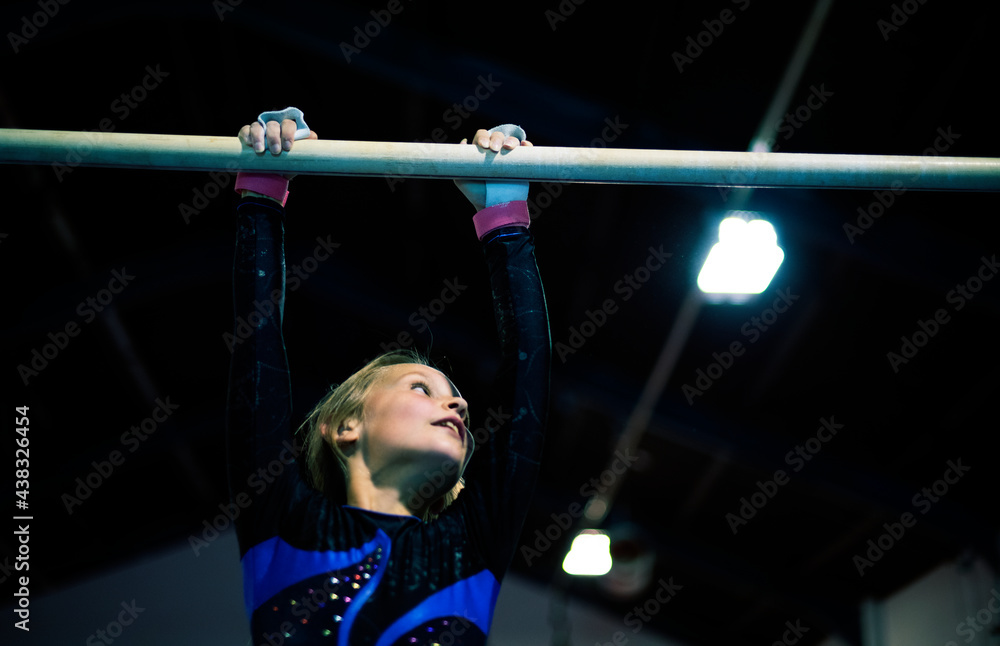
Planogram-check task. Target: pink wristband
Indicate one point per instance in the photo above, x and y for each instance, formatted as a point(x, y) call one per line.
point(501, 215)
point(269, 184)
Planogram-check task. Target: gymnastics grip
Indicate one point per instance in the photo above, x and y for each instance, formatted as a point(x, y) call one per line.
point(484, 194)
point(301, 129)
point(273, 185)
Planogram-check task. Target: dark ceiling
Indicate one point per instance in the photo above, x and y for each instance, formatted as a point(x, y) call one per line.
point(853, 298)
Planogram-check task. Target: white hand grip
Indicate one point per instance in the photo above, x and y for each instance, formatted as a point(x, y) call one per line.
point(302, 130)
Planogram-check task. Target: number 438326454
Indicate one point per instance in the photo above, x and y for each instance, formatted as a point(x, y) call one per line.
point(21, 454)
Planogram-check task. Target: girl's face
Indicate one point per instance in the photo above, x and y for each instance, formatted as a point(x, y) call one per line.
point(414, 416)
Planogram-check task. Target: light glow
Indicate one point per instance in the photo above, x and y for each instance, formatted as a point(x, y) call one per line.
point(589, 555)
point(743, 261)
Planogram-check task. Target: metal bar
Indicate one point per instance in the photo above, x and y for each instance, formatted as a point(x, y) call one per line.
point(541, 163)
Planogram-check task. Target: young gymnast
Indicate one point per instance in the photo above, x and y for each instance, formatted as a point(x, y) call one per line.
point(404, 558)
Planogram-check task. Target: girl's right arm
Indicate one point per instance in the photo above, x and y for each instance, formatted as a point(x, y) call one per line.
point(261, 456)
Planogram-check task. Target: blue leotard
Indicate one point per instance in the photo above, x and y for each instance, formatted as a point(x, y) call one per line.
point(317, 571)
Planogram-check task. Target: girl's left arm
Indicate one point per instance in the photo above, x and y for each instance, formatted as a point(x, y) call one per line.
point(502, 473)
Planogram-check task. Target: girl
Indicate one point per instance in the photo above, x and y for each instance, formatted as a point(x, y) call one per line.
point(405, 558)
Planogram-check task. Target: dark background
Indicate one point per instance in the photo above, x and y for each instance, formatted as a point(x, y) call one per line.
point(825, 357)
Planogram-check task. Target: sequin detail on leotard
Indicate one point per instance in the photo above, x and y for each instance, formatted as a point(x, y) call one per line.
point(314, 609)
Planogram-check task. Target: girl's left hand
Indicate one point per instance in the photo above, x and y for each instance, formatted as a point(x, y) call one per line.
point(277, 137)
point(496, 141)
point(482, 193)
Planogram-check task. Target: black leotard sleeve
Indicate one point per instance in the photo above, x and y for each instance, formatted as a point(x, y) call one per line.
point(260, 450)
point(501, 476)
point(317, 571)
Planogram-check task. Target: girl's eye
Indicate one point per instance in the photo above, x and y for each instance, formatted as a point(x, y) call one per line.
point(418, 384)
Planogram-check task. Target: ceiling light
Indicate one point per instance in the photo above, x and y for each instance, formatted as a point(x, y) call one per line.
point(589, 555)
point(744, 259)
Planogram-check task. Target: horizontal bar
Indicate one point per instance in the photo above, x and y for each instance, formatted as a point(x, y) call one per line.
point(539, 163)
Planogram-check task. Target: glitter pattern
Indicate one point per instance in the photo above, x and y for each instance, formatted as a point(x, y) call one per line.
point(311, 611)
point(454, 631)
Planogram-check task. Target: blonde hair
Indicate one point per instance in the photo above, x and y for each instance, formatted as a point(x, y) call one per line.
point(324, 460)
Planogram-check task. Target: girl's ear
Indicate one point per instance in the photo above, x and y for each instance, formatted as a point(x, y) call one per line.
point(345, 436)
